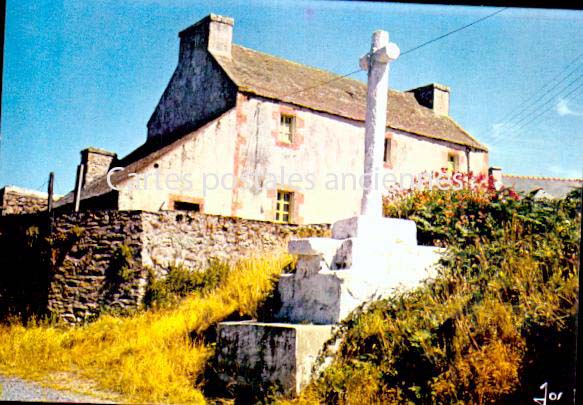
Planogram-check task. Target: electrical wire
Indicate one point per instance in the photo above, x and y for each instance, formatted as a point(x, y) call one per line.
point(322, 83)
point(402, 53)
point(507, 119)
point(516, 127)
point(453, 32)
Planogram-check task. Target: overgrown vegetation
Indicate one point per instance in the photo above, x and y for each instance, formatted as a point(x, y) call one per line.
point(122, 262)
point(158, 355)
point(498, 321)
point(181, 281)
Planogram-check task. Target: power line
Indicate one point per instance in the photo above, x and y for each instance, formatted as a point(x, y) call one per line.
point(565, 97)
point(40, 188)
point(542, 88)
point(454, 31)
point(402, 53)
point(515, 125)
point(517, 112)
point(551, 98)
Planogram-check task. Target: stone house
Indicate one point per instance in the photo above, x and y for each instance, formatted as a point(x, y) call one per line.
point(245, 134)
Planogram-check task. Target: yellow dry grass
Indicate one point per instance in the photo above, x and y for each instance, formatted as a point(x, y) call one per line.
point(147, 357)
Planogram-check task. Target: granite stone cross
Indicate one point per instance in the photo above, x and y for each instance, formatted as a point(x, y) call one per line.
point(377, 63)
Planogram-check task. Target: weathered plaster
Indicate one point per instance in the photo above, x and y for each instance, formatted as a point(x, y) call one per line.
point(330, 148)
point(201, 159)
point(198, 91)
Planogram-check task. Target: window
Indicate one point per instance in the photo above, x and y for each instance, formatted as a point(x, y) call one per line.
point(387, 155)
point(451, 163)
point(186, 206)
point(283, 206)
point(287, 125)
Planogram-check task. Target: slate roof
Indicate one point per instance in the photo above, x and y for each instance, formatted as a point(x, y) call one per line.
point(279, 79)
point(554, 186)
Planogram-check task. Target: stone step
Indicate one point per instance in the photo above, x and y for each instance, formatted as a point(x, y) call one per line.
point(320, 295)
point(382, 231)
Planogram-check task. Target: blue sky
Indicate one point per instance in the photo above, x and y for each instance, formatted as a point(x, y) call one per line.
point(81, 74)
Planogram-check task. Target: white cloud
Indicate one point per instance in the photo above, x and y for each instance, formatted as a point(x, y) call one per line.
point(563, 109)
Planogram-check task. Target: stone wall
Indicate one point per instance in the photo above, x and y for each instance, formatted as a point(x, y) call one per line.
point(95, 264)
point(15, 200)
point(174, 237)
point(86, 262)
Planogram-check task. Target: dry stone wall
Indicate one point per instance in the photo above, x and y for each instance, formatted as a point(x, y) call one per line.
point(14, 200)
point(88, 262)
point(193, 240)
point(95, 264)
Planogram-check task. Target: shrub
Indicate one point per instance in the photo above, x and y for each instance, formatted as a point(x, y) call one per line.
point(490, 327)
point(452, 217)
point(181, 281)
point(122, 262)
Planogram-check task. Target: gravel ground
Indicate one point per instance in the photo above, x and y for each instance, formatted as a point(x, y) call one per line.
point(17, 389)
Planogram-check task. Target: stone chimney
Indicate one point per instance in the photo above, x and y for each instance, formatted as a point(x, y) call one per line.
point(214, 33)
point(97, 163)
point(496, 174)
point(434, 96)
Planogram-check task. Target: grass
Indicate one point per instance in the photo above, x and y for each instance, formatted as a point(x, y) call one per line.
point(150, 356)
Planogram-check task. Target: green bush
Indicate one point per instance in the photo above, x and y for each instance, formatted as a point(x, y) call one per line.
point(498, 321)
point(181, 281)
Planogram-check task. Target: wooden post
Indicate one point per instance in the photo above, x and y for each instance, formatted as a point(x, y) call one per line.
point(78, 186)
point(377, 63)
point(50, 192)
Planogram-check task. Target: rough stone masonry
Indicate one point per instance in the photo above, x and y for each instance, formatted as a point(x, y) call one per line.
point(74, 265)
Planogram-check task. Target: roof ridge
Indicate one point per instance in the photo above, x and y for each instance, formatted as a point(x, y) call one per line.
point(521, 176)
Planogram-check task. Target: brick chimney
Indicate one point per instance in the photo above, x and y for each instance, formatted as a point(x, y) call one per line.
point(434, 96)
point(97, 163)
point(214, 33)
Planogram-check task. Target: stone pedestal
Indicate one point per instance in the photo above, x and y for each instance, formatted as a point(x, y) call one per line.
point(365, 260)
point(368, 257)
point(326, 295)
point(281, 355)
